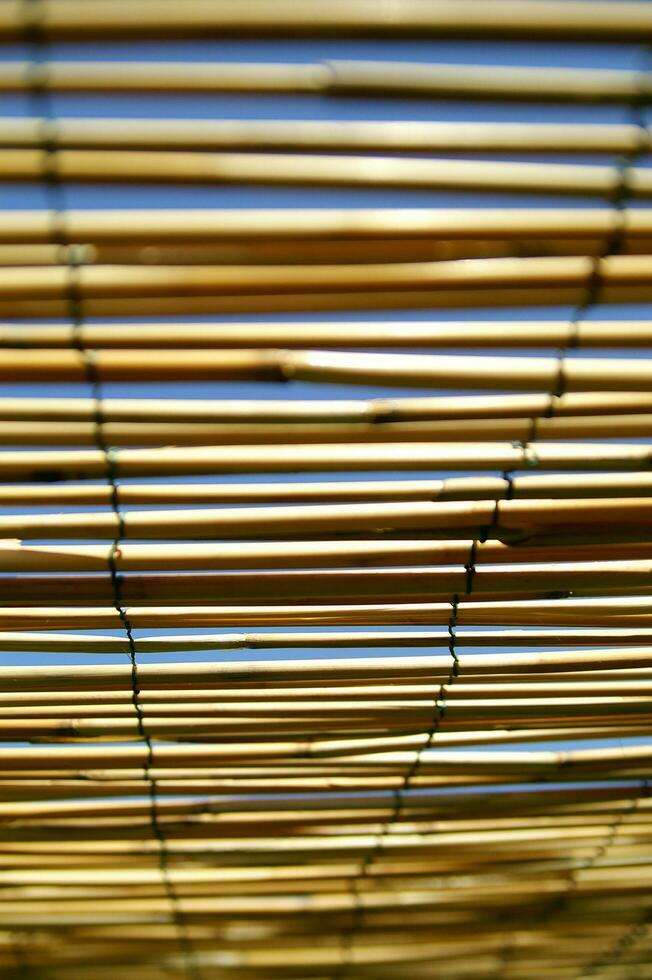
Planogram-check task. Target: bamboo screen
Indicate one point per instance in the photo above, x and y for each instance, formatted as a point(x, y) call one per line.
point(326, 490)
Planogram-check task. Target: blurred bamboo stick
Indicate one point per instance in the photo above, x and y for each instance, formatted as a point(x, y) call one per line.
point(535, 19)
point(340, 136)
point(142, 282)
point(201, 755)
point(382, 411)
point(336, 78)
point(147, 166)
point(423, 370)
point(402, 334)
point(38, 433)
point(186, 304)
point(236, 225)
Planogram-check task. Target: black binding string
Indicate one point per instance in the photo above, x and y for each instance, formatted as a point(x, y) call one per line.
point(633, 933)
point(613, 245)
point(439, 712)
point(71, 258)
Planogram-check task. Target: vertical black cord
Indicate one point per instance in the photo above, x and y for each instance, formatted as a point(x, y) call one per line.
point(615, 239)
point(636, 930)
point(613, 245)
point(348, 936)
point(42, 109)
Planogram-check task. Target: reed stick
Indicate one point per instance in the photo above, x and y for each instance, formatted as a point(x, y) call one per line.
point(382, 411)
point(207, 675)
point(241, 226)
point(520, 518)
point(425, 370)
point(55, 465)
point(540, 763)
point(577, 20)
point(314, 170)
point(16, 556)
point(526, 487)
point(331, 585)
point(174, 701)
point(336, 639)
point(304, 252)
point(126, 281)
point(335, 78)
point(403, 334)
point(27, 433)
point(340, 136)
point(189, 304)
point(171, 703)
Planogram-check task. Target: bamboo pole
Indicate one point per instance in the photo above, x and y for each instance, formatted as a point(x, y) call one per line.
point(183, 701)
point(331, 585)
point(403, 334)
point(464, 81)
point(16, 556)
point(335, 78)
point(424, 370)
point(55, 465)
point(190, 304)
point(629, 611)
point(519, 806)
point(304, 252)
point(417, 585)
point(170, 703)
point(540, 763)
point(526, 487)
point(521, 518)
point(241, 226)
point(290, 721)
point(27, 433)
point(146, 166)
point(536, 19)
point(340, 136)
point(336, 639)
point(126, 281)
point(206, 675)
point(382, 411)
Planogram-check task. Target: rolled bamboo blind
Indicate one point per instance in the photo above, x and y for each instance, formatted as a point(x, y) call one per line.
point(325, 491)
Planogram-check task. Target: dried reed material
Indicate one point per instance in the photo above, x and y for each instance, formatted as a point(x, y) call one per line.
point(335, 78)
point(578, 19)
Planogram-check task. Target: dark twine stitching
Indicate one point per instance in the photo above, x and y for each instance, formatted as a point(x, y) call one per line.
point(636, 930)
point(613, 244)
point(508, 476)
point(42, 108)
point(399, 794)
point(491, 529)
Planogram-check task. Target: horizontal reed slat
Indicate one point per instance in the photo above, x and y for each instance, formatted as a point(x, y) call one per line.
point(314, 170)
point(324, 135)
point(578, 19)
point(335, 78)
point(403, 334)
point(237, 225)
